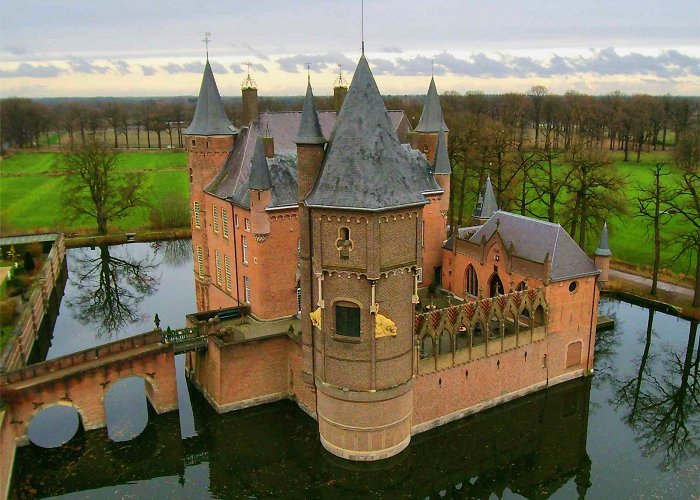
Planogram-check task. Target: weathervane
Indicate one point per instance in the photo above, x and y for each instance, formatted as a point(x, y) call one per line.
point(308, 72)
point(340, 82)
point(206, 42)
point(362, 25)
point(248, 83)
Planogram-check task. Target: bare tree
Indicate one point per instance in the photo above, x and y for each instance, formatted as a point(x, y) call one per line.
point(95, 188)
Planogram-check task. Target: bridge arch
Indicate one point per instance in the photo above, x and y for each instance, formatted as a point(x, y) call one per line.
point(129, 402)
point(54, 424)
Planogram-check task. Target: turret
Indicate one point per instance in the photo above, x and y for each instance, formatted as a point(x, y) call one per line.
point(425, 135)
point(602, 256)
point(486, 205)
point(310, 151)
point(249, 96)
point(442, 171)
point(260, 187)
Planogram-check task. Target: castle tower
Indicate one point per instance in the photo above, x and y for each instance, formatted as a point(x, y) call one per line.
point(209, 139)
point(425, 136)
point(602, 256)
point(249, 97)
point(486, 205)
point(340, 90)
point(366, 212)
point(260, 187)
point(310, 150)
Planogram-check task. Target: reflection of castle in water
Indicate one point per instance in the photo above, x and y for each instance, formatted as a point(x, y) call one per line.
point(532, 446)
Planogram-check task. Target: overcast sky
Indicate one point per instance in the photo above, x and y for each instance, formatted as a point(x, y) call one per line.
point(152, 47)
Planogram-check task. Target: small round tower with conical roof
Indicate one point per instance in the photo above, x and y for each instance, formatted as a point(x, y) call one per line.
point(602, 256)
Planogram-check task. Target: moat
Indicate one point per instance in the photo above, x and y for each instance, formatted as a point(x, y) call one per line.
point(631, 430)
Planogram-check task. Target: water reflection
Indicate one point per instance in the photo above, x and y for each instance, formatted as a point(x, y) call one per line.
point(174, 252)
point(662, 405)
point(532, 447)
point(110, 289)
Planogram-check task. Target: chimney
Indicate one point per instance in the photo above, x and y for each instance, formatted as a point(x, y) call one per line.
point(249, 94)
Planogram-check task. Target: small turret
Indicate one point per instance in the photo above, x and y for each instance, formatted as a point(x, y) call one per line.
point(310, 145)
point(425, 136)
point(340, 90)
point(486, 205)
point(602, 256)
point(442, 170)
point(260, 186)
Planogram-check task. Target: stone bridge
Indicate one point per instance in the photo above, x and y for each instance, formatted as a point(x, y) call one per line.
point(81, 380)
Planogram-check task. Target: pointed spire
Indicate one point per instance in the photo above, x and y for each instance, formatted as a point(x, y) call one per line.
point(487, 205)
point(210, 116)
point(309, 128)
point(431, 119)
point(365, 166)
point(442, 158)
point(259, 171)
point(603, 249)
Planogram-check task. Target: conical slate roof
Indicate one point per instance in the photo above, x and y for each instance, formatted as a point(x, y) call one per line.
point(365, 166)
point(431, 119)
point(487, 205)
point(209, 116)
point(309, 128)
point(259, 171)
point(442, 158)
point(603, 249)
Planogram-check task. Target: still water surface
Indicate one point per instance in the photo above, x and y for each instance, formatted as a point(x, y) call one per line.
point(632, 430)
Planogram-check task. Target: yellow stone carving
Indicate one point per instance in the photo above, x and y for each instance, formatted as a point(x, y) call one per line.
point(316, 318)
point(384, 327)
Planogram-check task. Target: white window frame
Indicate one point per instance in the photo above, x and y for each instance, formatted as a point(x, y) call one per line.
point(197, 217)
point(244, 249)
point(299, 301)
point(215, 218)
point(224, 221)
point(227, 271)
point(217, 261)
point(246, 289)
point(235, 220)
point(200, 261)
point(419, 274)
point(246, 221)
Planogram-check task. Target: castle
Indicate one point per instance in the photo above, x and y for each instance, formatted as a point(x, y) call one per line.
point(329, 226)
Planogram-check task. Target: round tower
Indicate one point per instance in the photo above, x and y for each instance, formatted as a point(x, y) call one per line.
point(602, 256)
point(365, 225)
point(425, 136)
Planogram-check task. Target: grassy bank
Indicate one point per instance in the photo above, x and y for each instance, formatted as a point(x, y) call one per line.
point(31, 185)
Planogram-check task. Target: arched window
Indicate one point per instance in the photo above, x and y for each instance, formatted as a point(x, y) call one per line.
point(343, 244)
point(539, 316)
point(471, 281)
point(445, 343)
point(462, 338)
point(495, 285)
point(426, 347)
point(494, 328)
point(347, 320)
point(521, 286)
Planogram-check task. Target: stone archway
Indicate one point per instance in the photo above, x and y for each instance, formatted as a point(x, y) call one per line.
point(495, 285)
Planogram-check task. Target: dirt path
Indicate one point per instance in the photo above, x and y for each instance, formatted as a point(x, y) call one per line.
point(640, 280)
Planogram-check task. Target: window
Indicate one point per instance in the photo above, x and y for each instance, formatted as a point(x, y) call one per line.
point(419, 274)
point(246, 289)
point(227, 270)
point(246, 221)
point(299, 301)
point(235, 220)
point(422, 234)
point(343, 244)
point(200, 261)
point(215, 217)
point(347, 321)
point(217, 261)
point(244, 248)
point(495, 285)
point(224, 221)
point(191, 178)
point(573, 286)
point(193, 142)
point(197, 219)
point(471, 281)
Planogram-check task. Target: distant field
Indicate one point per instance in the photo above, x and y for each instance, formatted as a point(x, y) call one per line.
point(31, 185)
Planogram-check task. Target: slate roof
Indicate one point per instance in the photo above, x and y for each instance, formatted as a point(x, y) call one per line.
point(442, 158)
point(431, 118)
point(365, 166)
point(486, 205)
point(603, 249)
point(536, 240)
point(309, 126)
point(259, 173)
point(210, 116)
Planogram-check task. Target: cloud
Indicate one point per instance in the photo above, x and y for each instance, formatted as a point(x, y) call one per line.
point(391, 50)
point(243, 68)
point(256, 53)
point(121, 66)
point(32, 71)
point(79, 65)
point(148, 70)
point(193, 67)
point(17, 51)
point(318, 62)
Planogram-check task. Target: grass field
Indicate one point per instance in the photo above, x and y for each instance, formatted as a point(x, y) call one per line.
point(31, 185)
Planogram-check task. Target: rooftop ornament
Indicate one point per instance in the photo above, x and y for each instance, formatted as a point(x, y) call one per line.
point(248, 82)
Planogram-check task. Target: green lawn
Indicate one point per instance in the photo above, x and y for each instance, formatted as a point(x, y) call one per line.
point(32, 202)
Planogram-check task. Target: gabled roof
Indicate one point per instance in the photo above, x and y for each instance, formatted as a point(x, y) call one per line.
point(365, 166)
point(442, 158)
point(537, 241)
point(431, 118)
point(309, 128)
point(603, 249)
point(486, 205)
point(259, 172)
point(210, 116)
